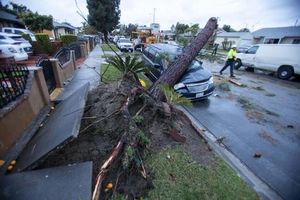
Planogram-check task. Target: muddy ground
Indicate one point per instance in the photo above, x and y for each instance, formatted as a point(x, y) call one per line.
point(103, 126)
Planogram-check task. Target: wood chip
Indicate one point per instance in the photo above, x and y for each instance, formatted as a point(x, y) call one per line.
point(235, 82)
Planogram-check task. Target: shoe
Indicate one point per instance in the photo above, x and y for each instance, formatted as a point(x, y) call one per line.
point(232, 76)
point(220, 73)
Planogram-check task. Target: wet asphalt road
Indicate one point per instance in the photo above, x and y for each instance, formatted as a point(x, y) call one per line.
point(262, 116)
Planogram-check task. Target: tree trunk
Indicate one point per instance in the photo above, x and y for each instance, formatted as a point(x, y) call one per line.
point(180, 65)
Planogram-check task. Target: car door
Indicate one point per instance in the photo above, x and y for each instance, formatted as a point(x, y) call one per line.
point(249, 57)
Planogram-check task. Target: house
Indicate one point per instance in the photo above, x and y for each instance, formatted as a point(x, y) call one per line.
point(155, 28)
point(10, 20)
point(234, 38)
point(61, 29)
point(167, 34)
point(278, 35)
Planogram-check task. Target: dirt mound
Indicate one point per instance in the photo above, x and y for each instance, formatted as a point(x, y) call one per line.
point(124, 112)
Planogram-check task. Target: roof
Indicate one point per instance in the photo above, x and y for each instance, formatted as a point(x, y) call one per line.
point(9, 17)
point(278, 32)
point(233, 34)
point(63, 25)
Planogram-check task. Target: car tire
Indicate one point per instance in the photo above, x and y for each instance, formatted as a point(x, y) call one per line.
point(249, 69)
point(237, 64)
point(285, 72)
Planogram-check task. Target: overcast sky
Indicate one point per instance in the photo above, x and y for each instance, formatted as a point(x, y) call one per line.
point(253, 14)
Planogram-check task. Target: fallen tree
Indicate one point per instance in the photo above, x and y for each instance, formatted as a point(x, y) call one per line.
point(130, 118)
point(180, 65)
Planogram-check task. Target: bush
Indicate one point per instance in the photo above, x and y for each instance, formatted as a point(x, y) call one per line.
point(43, 42)
point(27, 37)
point(67, 39)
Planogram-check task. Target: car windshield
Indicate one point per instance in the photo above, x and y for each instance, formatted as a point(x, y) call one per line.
point(195, 65)
point(124, 41)
point(18, 38)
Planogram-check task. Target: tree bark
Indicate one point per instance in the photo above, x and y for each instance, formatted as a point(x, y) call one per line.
point(180, 65)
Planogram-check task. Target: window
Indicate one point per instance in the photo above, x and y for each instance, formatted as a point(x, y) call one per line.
point(157, 59)
point(271, 41)
point(151, 54)
point(252, 50)
point(18, 32)
point(2, 37)
point(8, 31)
point(296, 41)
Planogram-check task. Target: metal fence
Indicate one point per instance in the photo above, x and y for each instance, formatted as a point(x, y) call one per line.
point(63, 55)
point(46, 65)
point(13, 79)
point(76, 47)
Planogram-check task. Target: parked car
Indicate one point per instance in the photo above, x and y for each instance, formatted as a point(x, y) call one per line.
point(14, 38)
point(18, 31)
point(13, 50)
point(125, 45)
point(117, 38)
point(195, 84)
point(281, 58)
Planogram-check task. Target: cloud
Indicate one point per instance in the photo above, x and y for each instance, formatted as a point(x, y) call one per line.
point(254, 14)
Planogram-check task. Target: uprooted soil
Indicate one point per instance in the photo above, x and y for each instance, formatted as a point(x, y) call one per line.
point(148, 128)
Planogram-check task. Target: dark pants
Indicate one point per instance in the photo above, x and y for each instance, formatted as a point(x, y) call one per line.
point(229, 62)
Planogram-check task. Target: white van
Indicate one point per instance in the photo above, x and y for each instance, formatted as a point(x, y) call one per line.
point(281, 58)
point(18, 31)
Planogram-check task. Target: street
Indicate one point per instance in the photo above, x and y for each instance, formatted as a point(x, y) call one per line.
point(259, 123)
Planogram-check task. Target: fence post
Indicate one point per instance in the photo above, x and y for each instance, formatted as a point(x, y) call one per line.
point(41, 82)
point(83, 51)
point(72, 54)
point(58, 73)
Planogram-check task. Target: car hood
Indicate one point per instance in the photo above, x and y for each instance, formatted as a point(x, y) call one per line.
point(195, 76)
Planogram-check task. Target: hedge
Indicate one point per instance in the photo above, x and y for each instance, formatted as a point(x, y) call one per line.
point(67, 39)
point(43, 42)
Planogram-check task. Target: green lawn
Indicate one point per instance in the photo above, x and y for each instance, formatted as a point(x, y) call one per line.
point(109, 73)
point(105, 47)
point(178, 177)
point(112, 74)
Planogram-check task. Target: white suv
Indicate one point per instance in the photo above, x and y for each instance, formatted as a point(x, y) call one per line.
point(18, 31)
point(7, 38)
point(125, 45)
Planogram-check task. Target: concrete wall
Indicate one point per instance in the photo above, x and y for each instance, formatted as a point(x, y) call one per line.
point(15, 118)
point(62, 73)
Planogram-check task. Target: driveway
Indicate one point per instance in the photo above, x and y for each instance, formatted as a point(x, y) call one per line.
point(260, 117)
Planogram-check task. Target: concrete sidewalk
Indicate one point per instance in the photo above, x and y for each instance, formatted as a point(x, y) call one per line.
point(89, 71)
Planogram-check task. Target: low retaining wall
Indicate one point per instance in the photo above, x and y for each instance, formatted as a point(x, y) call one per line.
point(17, 115)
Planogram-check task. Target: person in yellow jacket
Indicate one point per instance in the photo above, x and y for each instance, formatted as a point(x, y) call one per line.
point(230, 60)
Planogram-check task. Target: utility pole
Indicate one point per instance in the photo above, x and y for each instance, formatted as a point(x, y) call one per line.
point(153, 15)
point(296, 22)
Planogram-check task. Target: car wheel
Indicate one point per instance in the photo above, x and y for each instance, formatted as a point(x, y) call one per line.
point(237, 64)
point(249, 69)
point(285, 72)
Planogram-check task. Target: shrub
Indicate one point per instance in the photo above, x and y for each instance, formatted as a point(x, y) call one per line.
point(67, 39)
point(43, 42)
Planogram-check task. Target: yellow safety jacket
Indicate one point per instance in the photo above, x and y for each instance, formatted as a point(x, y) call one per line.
point(231, 54)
